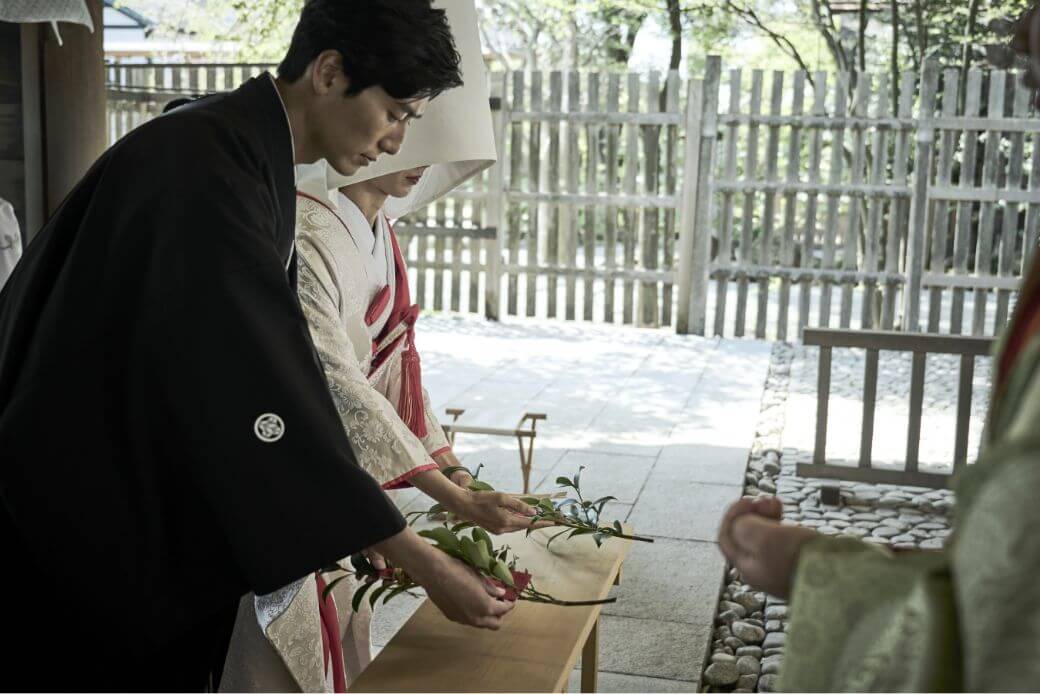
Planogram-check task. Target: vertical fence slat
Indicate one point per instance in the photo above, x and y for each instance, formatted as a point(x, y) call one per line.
point(834, 178)
point(941, 219)
point(516, 159)
point(610, 228)
point(534, 182)
point(439, 244)
point(823, 396)
point(808, 245)
point(649, 241)
point(687, 311)
point(925, 146)
point(875, 204)
point(498, 208)
point(630, 215)
point(850, 256)
point(1009, 232)
point(592, 143)
point(552, 233)
point(870, 383)
point(769, 205)
point(964, 388)
point(794, 165)
point(962, 237)
point(671, 178)
point(913, 434)
point(747, 221)
point(988, 211)
point(725, 253)
point(700, 212)
point(1032, 229)
point(899, 207)
point(569, 216)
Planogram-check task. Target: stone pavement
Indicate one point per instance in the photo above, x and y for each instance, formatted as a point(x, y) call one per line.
point(663, 422)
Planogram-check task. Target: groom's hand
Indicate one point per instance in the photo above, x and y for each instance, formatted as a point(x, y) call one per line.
point(455, 588)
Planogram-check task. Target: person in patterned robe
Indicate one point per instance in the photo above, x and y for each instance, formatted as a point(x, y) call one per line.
point(865, 618)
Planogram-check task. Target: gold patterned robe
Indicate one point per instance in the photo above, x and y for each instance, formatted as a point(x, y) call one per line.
point(966, 618)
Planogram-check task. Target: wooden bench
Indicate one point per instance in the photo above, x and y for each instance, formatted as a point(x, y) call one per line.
point(968, 348)
point(538, 645)
point(498, 422)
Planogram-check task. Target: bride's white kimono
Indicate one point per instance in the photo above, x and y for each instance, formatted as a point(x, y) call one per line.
point(354, 291)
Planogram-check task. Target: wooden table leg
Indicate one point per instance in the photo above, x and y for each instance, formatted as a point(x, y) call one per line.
point(590, 660)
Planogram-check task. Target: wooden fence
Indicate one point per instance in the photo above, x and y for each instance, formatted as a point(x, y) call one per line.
point(968, 348)
point(737, 203)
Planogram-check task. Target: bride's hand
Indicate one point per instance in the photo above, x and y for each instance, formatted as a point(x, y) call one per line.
point(496, 512)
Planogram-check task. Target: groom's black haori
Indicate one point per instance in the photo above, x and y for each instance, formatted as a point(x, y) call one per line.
point(167, 439)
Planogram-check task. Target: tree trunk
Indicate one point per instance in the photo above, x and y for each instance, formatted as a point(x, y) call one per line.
point(675, 29)
point(922, 32)
point(863, 18)
point(969, 35)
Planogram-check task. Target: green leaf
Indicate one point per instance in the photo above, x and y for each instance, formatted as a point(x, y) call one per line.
point(444, 538)
point(564, 532)
point(478, 486)
point(577, 477)
point(377, 592)
point(435, 509)
point(565, 482)
point(476, 553)
point(480, 535)
point(604, 500)
point(359, 594)
point(530, 500)
point(395, 592)
point(328, 588)
point(546, 505)
point(500, 571)
point(618, 528)
point(459, 527)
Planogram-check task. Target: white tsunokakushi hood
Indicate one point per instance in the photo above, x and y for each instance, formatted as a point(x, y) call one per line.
point(455, 137)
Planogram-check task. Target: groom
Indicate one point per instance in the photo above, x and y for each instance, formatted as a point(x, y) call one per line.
point(167, 438)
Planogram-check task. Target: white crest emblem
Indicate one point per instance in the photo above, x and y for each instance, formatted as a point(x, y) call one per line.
point(269, 427)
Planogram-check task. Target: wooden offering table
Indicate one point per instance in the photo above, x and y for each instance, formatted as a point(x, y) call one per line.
point(538, 645)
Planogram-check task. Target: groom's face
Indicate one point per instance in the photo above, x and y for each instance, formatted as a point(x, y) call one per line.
point(353, 131)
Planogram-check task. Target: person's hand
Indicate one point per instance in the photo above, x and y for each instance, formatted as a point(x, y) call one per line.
point(456, 589)
point(461, 478)
point(756, 544)
point(374, 558)
point(496, 512)
point(464, 596)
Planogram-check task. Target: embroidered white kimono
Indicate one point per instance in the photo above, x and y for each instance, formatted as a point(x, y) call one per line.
point(344, 265)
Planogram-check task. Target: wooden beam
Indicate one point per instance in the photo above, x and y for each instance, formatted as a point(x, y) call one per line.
point(73, 82)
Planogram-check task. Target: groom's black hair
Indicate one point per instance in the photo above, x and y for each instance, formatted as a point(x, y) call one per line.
point(403, 46)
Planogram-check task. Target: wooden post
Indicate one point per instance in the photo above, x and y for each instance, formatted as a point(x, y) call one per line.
point(497, 201)
point(688, 202)
point(73, 86)
point(701, 121)
point(919, 201)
